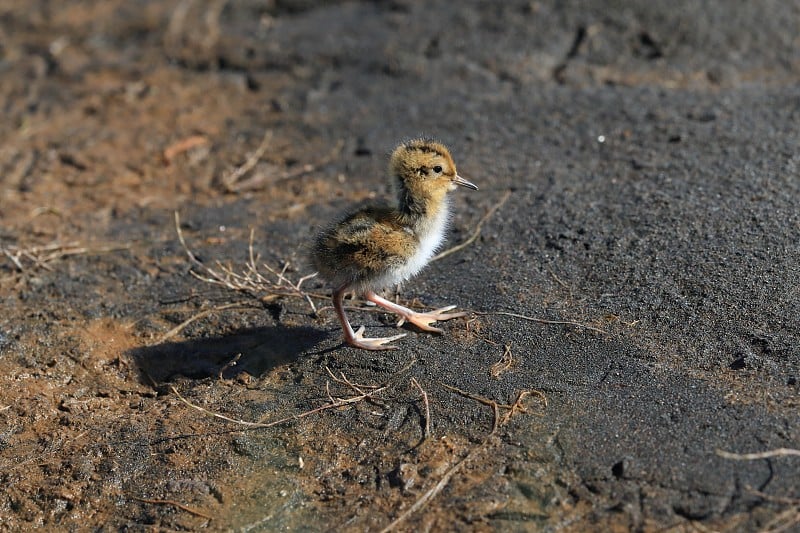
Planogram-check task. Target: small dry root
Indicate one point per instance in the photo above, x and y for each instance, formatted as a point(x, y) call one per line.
point(251, 280)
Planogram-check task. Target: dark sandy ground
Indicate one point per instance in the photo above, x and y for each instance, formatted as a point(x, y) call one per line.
point(651, 156)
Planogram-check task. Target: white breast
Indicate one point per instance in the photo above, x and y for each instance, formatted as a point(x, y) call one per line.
point(430, 237)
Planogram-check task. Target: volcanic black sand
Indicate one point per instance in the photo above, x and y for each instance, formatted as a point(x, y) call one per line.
point(634, 283)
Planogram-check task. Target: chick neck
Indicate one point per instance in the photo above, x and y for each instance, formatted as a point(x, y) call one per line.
point(419, 206)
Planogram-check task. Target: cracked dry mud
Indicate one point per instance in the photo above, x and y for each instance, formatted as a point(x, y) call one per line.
point(651, 153)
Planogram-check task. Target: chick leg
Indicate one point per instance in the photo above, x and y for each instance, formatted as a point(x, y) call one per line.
point(356, 338)
point(422, 320)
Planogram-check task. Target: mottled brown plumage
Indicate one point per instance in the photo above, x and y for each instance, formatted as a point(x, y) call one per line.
point(377, 247)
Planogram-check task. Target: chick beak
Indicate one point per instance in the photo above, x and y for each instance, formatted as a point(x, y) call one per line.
point(458, 180)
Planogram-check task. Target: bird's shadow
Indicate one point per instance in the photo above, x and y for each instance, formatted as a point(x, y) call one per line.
point(255, 351)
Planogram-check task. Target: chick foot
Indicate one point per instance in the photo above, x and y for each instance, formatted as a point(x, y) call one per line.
point(422, 320)
point(381, 343)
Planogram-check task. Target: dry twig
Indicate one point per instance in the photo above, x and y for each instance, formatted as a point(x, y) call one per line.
point(234, 181)
point(437, 488)
point(41, 256)
point(559, 281)
point(519, 407)
point(427, 408)
point(172, 151)
point(479, 399)
point(779, 452)
point(359, 389)
point(260, 180)
point(230, 181)
point(771, 498)
point(338, 402)
point(174, 504)
point(504, 364)
point(442, 483)
point(516, 407)
point(543, 320)
point(783, 521)
point(202, 314)
point(251, 280)
point(345, 381)
point(787, 519)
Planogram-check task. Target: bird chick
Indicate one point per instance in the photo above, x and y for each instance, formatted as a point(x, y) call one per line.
point(376, 247)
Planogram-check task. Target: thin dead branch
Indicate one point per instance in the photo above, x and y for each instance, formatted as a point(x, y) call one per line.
point(41, 256)
point(424, 394)
point(174, 504)
point(519, 407)
point(338, 402)
point(230, 181)
point(784, 521)
point(477, 449)
point(202, 314)
point(345, 381)
point(262, 180)
point(235, 181)
point(778, 452)
point(437, 488)
point(543, 320)
point(476, 232)
point(250, 280)
point(787, 519)
point(516, 407)
point(771, 498)
point(479, 399)
point(559, 280)
point(504, 364)
point(359, 389)
point(176, 148)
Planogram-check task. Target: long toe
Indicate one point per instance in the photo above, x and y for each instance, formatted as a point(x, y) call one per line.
point(366, 343)
point(424, 320)
point(443, 315)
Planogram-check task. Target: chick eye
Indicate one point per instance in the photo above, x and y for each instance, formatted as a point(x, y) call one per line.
point(437, 168)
